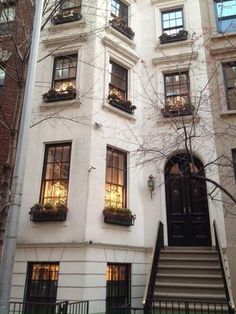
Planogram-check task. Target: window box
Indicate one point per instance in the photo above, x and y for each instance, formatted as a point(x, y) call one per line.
point(48, 212)
point(122, 27)
point(181, 35)
point(124, 105)
point(169, 111)
point(118, 216)
point(67, 16)
point(55, 95)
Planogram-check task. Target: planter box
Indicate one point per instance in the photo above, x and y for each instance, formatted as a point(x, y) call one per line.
point(47, 216)
point(122, 105)
point(121, 26)
point(66, 18)
point(119, 219)
point(186, 111)
point(48, 97)
point(181, 35)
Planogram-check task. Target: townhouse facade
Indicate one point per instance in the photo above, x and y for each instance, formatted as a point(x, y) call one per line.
point(124, 90)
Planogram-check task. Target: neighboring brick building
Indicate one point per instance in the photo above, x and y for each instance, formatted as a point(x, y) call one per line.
point(16, 20)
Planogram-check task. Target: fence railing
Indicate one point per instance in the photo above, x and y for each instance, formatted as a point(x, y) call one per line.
point(64, 307)
point(176, 307)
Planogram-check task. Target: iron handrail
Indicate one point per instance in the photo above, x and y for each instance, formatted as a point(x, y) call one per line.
point(227, 288)
point(149, 290)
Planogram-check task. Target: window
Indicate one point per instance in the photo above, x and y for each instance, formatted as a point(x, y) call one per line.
point(177, 97)
point(116, 178)
point(226, 15)
point(41, 287)
point(118, 278)
point(64, 75)
point(118, 80)
point(55, 179)
point(119, 10)
point(230, 84)
point(69, 4)
point(7, 11)
point(172, 21)
point(2, 77)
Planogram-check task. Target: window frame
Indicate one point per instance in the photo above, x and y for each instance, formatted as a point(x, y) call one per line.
point(219, 19)
point(165, 30)
point(226, 84)
point(68, 79)
point(45, 163)
point(7, 6)
point(124, 6)
point(126, 92)
point(124, 185)
point(188, 85)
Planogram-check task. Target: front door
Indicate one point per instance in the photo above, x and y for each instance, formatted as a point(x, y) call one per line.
point(187, 206)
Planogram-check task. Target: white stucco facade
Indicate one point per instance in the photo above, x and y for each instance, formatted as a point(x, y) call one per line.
point(83, 244)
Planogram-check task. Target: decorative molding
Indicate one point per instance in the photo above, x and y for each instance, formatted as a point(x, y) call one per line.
point(56, 104)
point(168, 2)
point(118, 34)
point(222, 50)
point(4, 55)
point(109, 108)
point(174, 45)
point(223, 36)
point(228, 113)
point(54, 29)
point(178, 58)
point(121, 50)
point(63, 41)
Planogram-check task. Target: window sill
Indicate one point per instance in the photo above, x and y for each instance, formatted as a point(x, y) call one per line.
point(119, 35)
point(76, 24)
point(228, 113)
point(187, 119)
point(222, 36)
point(109, 108)
point(174, 44)
point(63, 103)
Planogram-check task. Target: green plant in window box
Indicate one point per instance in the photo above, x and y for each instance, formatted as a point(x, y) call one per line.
point(116, 99)
point(118, 216)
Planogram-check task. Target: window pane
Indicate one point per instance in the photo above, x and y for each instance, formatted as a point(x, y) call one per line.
point(172, 21)
point(56, 174)
point(226, 8)
point(65, 69)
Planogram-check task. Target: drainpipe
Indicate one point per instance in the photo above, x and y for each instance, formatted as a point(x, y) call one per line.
point(6, 267)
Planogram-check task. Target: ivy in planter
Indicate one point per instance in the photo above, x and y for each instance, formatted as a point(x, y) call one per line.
point(121, 26)
point(57, 95)
point(115, 99)
point(169, 111)
point(181, 35)
point(48, 212)
point(118, 216)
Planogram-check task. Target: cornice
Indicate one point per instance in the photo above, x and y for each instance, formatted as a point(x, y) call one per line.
point(178, 58)
point(120, 49)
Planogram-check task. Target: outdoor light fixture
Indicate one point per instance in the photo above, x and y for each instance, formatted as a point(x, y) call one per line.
point(151, 184)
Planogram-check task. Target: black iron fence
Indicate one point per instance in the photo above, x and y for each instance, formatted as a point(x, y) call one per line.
point(176, 307)
point(64, 307)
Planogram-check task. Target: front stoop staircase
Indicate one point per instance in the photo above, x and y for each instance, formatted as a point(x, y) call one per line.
point(189, 274)
point(187, 280)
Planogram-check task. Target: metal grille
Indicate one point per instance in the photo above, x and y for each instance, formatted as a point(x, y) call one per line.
point(118, 287)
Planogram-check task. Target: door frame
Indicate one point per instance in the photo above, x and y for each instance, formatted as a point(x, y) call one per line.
point(197, 164)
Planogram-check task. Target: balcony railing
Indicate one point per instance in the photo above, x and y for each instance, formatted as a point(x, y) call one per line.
point(122, 27)
point(67, 16)
point(64, 307)
point(181, 35)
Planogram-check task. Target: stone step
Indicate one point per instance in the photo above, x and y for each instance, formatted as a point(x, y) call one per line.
point(185, 261)
point(218, 298)
point(189, 278)
point(193, 270)
point(189, 254)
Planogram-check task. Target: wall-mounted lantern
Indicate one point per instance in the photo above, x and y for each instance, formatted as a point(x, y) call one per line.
point(151, 184)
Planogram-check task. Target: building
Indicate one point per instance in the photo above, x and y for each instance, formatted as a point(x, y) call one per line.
point(13, 65)
point(123, 89)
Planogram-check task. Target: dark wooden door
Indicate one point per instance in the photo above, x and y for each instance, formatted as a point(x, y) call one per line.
point(187, 206)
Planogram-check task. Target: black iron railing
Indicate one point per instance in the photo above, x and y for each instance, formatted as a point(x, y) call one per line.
point(64, 307)
point(155, 260)
point(176, 307)
point(223, 270)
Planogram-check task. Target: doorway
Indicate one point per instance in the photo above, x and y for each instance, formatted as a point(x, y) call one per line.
point(186, 202)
